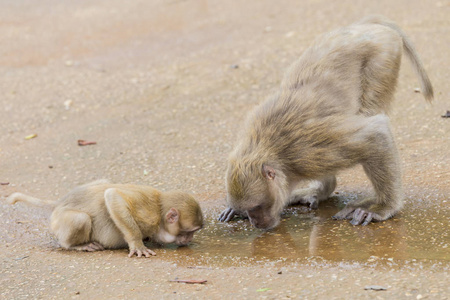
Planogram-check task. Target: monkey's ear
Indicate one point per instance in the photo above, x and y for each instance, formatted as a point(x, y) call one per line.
point(172, 215)
point(268, 172)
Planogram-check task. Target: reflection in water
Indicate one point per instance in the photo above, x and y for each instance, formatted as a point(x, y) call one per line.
point(304, 235)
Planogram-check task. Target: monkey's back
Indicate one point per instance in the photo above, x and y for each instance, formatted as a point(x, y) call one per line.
point(328, 77)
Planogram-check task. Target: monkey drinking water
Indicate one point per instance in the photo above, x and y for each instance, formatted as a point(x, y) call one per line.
point(329, 114)
point(102, 215)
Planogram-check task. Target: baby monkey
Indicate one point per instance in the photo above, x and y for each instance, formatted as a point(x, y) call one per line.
point(101, 215)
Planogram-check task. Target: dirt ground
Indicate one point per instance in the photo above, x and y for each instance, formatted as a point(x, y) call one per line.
point(163, 87)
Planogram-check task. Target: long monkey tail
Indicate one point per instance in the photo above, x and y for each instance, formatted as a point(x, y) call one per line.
point(408, 47)
point(19, 197)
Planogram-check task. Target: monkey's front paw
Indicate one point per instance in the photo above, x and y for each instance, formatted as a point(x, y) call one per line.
point(227, 215)
point(358, 216)
point(311, 200)
point(141, 252)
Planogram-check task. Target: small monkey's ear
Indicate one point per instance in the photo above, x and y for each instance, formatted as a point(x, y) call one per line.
point(172, 215)
point(268, 172)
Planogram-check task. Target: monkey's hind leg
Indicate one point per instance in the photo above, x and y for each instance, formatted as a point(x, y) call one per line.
point(73, 230)
point(382, 166)
point(318, 190)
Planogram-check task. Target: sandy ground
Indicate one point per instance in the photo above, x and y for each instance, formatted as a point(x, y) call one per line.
point(163, 87)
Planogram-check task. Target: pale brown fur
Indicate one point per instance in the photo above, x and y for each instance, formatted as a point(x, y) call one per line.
point(329, 114)
point(102, 215)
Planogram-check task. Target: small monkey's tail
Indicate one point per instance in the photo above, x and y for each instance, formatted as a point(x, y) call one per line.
point(16, 197)
point(408, 47)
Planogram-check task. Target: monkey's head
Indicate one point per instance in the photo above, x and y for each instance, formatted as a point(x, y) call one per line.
point(182, 217)
point(257, 189)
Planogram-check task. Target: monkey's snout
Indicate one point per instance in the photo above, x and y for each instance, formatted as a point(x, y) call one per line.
point(263, 224)
point(182, 242)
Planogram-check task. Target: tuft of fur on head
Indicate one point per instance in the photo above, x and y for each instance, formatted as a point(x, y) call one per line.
point(244, 175)
point(249, 184)
point(188, 208)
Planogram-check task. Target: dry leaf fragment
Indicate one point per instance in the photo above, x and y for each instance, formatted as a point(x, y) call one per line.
point(190, 281)
point(447, 114)
point(31, 136)
point(375, 287)
point(85, 143)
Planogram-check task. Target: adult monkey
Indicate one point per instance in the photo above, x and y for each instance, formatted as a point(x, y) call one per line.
point(329, 114)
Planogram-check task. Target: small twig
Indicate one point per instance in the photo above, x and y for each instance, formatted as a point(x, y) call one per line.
point(23, 222)
point(20, 258)
point(189, 281)
point(4, 183)
point(375, 287)
point(199, 267)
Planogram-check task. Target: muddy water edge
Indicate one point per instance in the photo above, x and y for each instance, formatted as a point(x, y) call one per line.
point(415, 237)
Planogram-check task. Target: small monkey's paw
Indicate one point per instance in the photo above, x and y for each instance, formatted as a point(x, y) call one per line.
point(358, 216)
point(227, 215)
point(141, 252)
point(311, 200)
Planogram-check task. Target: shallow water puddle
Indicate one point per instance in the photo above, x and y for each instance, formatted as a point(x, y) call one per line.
point(304, 235)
